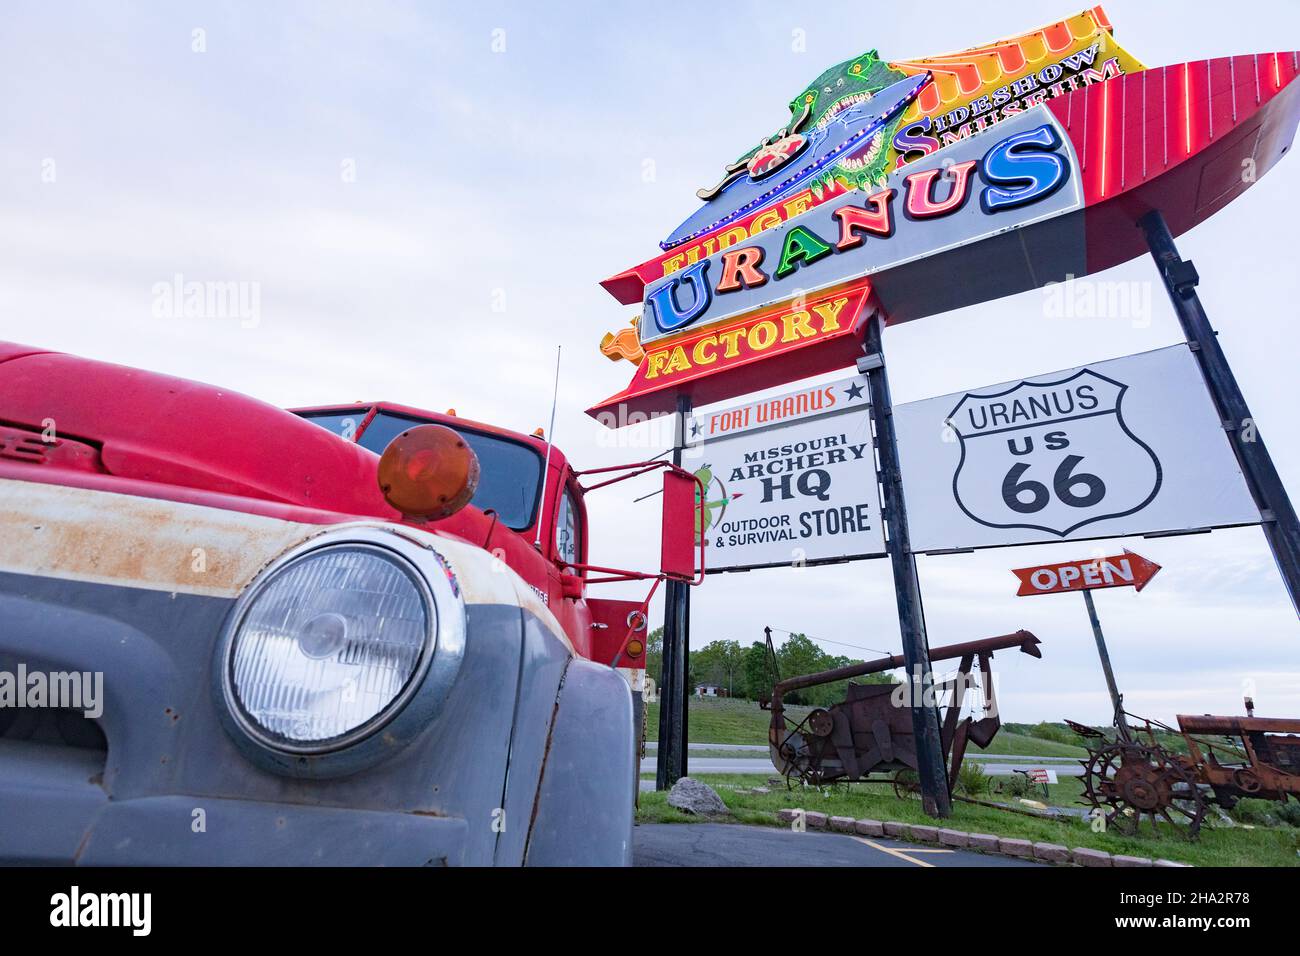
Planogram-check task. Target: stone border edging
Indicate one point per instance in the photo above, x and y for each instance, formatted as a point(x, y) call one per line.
point(979, 842)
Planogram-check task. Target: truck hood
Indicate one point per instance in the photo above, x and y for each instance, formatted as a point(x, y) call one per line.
point(157, 428)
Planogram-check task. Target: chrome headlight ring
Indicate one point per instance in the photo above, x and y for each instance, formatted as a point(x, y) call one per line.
point(400, 718)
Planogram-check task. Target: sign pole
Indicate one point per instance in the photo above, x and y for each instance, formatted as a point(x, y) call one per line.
point(670, 764)
point(1281, 528)
point(935, 795)
point(1116, 698)
point(1127, 570)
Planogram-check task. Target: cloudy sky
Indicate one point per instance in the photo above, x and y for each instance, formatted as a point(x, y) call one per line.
point(425, 197)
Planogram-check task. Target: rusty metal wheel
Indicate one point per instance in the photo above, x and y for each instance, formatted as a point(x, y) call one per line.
point(1247, 781)
point(1130, 782)
point(820, 723)
point(907, 785)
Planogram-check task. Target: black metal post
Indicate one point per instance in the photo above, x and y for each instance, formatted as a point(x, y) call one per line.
point(935, 795)
point(1281, 528)
point(1116, 698)
point(670, 761)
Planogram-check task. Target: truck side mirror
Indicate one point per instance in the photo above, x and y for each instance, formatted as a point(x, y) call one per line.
point(677, 555)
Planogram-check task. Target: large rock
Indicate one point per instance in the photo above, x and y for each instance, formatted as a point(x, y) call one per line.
point(691, 796)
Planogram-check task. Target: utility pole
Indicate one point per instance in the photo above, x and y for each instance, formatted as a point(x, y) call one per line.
point(673, 731)
point(1281, 528)
point(935, 795)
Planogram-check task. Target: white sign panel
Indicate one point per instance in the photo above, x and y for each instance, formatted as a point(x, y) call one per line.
point(1127, 446)
point(801, 492)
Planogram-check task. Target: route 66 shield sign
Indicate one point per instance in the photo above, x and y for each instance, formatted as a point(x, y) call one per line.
point(1131, 445)
point(1051, 456)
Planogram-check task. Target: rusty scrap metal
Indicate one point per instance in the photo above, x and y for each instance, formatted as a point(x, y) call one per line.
point(867, 733)
point(1228, 758)
point(1270, 769)
point(1132, 780)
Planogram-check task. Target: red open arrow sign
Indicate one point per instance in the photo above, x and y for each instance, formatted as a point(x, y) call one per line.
point(1122, 570)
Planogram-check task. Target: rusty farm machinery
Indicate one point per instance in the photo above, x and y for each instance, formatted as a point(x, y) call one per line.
point(1134, 773)
point(868, 737)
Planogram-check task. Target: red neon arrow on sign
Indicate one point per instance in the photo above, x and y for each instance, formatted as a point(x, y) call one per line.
point(1121, 570)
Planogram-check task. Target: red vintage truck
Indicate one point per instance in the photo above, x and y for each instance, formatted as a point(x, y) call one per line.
point(350, 634)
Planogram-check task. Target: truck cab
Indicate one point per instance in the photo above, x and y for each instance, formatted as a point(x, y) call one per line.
point(537, 527)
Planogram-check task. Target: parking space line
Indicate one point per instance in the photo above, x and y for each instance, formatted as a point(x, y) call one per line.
point(899, 853)
point(929, 849)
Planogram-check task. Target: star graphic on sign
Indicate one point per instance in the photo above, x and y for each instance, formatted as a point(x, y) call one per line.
point(695, 429)
point(853, 391)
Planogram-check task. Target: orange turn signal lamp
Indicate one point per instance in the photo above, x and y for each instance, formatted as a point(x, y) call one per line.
point(428, 473)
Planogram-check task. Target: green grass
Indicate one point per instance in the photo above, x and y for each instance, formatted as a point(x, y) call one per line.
point(1216, 847)
point(722, 721)
point(730, 721)
point(1007, 742)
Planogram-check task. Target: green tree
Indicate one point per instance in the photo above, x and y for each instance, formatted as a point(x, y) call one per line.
point(799, 655)
point(654, 655)
point(718, 662)
point(755, 679)
point(730, 659)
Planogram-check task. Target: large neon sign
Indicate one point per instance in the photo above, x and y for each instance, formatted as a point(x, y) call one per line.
point(894, 121)
point(938, 183)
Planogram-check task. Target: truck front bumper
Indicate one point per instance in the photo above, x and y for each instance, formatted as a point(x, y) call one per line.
point(54, 812)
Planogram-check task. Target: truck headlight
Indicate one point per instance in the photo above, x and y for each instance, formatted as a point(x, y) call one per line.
point(329, 646)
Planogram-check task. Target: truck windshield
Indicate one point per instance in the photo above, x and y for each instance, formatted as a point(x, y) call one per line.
point(509, 472)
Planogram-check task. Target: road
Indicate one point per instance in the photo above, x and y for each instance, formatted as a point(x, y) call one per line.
point(751, 765)
point(728, 844)
point(652, 746)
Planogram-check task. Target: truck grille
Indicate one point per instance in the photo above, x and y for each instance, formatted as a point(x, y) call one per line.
point(50, 725)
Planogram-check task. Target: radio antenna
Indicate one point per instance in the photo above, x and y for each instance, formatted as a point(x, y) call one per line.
point(550, 432)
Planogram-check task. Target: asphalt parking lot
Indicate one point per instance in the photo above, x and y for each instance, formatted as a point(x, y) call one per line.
point(725, 844)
